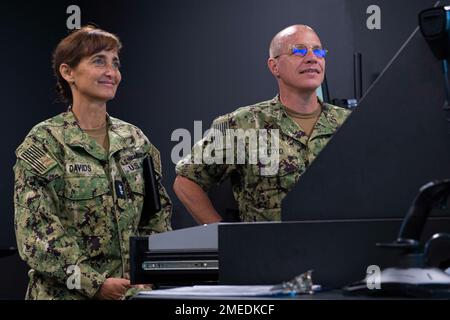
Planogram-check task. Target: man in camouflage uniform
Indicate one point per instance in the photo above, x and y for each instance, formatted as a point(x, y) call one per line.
point(76, 205)
point(299, 70)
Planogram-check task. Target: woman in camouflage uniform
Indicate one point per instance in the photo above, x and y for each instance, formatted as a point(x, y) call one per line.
point(79, 187)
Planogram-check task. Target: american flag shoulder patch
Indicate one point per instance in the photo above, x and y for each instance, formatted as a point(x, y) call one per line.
point(37, 159)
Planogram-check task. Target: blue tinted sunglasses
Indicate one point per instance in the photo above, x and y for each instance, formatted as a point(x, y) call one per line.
point(301, 50)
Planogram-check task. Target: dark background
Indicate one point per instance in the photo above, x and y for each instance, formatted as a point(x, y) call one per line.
point(182, 61)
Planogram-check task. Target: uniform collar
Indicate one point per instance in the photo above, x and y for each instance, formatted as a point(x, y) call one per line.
point(75, 136)
point(325, 125)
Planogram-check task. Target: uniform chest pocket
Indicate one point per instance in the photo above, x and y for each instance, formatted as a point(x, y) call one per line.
point(84, 204)
point(133, 171)
point(85, 188)
point(131, 205)
point(280, 176)
point(136, 183)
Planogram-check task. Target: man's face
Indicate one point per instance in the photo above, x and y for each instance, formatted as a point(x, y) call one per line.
point(297, 72)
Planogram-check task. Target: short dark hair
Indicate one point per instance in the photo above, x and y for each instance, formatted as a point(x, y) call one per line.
point(72, 49)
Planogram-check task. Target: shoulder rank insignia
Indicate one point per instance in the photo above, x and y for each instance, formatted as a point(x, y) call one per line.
point(37, 159)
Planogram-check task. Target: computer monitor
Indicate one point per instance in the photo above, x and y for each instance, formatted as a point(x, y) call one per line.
point(396, 141)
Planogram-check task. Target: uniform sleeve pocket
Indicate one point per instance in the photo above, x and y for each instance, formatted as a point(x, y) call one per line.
point(137, 187)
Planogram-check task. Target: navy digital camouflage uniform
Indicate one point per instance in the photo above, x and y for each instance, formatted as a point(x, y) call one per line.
point(77, 205)
point(259, 195)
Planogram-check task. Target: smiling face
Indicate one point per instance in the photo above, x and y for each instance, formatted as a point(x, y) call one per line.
point(295, 72)
point(95, 78)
